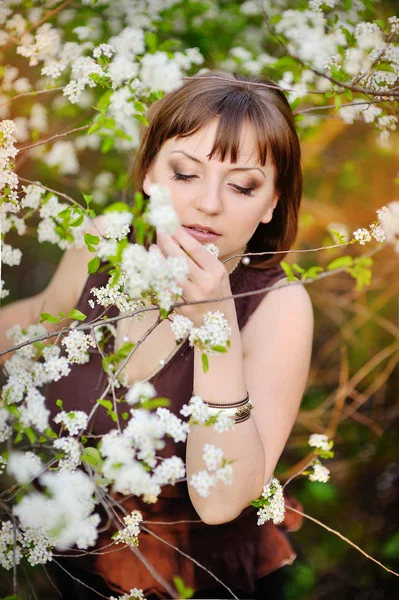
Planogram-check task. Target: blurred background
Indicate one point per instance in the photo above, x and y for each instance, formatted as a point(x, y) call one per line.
point(352, 391)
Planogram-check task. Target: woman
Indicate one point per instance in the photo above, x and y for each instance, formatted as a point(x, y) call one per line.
point(228, 151)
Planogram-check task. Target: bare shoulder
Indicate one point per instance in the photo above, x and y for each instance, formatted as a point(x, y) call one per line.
point(68, 281)
point(286, 310)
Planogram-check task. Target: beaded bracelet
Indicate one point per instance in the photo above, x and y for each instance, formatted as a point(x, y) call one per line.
point(240, 410)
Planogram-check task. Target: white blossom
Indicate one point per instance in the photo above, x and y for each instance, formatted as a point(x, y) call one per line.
point(362, 235)
point(213, 457)
point(274, 508)
point(181, 326)
point(140, 390)
point(169, 471)
point(74, 421)
point(320, 472)
point(161, 213)
point(319, 440)
point(203, 482)
point(76, 344)
point(133, 594)
point(214, 332)
point(72, 450)
point(24, 466)
point(118, 224)
point(34, 412)
point(174, 426)
point(66, 516)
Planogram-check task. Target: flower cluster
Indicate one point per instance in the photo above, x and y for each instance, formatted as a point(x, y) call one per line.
point(63, 515)
point(8, 151)
point(24, 466)
point(72, 452)
point(386, 228)
point(272, 503)
point(140, 390)
point(118, 224)
point(49, 227)
point(321, 441)
point(198, 411)
point(130, 534)
point(215, 332)
point(161, 213)
point(74, 421)
point(320, 472)
point(133, 594)
point(76, 344)
point(217, 469)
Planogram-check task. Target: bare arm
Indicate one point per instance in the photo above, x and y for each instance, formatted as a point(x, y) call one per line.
point(271, 361)
point(60, 295)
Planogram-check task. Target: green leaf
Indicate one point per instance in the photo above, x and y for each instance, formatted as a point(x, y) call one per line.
point(183, 591)
point(107, 144)
point(337, 101)
point(76, 314)
point(93, 128)
point(47, 317)
point(106, 404)
point(312, 272)
point(93, 265)
point(77, 221)
point(348, 94)
point(50, 433)
point(89, 459)
point(13, 410)
point(205, 363)
point(87, 199)
point(91, 241)
point(297, 268)
point(139, 106)
point(342, 261)
point(30, 434)
point(288, 271)
point(153, 403)
point(219, 348)
point(117, 207)
point(138, 201)
point(113, 415)
point(338, 237)
point(151, 41)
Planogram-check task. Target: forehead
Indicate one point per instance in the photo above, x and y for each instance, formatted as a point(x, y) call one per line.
point(202, 142)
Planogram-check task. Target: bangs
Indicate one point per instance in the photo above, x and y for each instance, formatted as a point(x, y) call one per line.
point(233, 108)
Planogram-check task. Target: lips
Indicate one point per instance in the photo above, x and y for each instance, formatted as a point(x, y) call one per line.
point(202, 228)
point(202, 233)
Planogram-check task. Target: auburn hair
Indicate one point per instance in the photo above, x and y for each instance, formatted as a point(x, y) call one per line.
point(234, 99)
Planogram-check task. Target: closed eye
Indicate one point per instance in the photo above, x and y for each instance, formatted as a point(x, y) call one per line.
point(182, 177)
point(245, 191)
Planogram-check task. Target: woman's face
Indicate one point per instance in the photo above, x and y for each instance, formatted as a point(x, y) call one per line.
point(229, 198)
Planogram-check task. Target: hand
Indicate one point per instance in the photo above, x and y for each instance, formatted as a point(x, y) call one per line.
point(207, 277)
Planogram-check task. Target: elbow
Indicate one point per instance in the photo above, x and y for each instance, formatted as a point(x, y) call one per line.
point(215, 517)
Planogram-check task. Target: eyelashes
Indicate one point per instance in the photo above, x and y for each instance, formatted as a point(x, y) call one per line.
point(241, 190)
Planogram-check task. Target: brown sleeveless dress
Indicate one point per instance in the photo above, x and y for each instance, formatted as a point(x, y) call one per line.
point(238, 552)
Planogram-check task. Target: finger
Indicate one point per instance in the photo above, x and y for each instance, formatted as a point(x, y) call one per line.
point(197, 251)
point(170, 247)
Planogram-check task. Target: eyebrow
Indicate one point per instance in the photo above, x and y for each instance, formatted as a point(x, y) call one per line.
point(201, 163)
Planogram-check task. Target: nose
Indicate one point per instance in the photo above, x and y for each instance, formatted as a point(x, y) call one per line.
point(209, 200)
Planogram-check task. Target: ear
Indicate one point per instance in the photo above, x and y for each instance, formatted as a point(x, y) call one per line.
point(268, 215)
point(147, 182)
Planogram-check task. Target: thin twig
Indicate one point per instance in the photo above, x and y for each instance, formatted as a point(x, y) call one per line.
point(37, 24)
point(34, 93)
point(342, 538)
point(53, 137)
